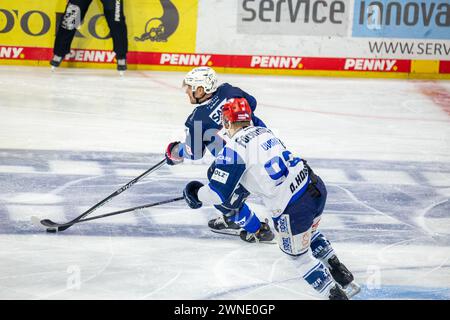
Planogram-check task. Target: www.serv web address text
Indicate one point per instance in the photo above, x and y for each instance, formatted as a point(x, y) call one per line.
point(428, 48)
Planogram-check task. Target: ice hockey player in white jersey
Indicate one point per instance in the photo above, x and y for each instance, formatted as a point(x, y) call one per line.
point(256, 162)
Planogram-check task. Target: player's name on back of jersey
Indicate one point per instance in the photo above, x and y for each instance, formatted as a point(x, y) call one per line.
point(298, 180)
point(271, 143)
point(245, 139)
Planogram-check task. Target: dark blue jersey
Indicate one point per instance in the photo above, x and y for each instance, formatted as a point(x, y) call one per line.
point(204, 123)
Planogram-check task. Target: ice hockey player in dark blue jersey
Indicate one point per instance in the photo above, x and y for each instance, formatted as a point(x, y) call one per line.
point(203, 128)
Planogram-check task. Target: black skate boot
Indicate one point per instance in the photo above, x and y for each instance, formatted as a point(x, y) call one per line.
point(55, 62)
point(264, 234)
point(121, 66)
point(340, 272)
point(336, 293)
point(224, 225)
point(343, 277)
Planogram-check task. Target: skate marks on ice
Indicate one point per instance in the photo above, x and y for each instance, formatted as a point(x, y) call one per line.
point(382, 217)
point(388, 200)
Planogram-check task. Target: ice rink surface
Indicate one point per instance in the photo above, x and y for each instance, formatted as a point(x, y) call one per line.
point(69, 139)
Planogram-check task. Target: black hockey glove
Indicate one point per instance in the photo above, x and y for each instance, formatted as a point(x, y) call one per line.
point(190, 194)
point(171, 154)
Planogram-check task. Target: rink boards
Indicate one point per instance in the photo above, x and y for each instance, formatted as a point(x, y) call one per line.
point(389, 39)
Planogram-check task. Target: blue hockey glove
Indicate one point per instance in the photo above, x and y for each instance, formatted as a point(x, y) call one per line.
point(190, 194)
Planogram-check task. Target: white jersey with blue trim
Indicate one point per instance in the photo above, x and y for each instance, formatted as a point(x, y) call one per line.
point(258, 161)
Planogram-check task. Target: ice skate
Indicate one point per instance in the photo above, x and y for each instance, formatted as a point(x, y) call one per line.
point(224, 226)
point(343, 277)
point(55, 62)
point(121, 66)
point(264, 234)
point(337, 293)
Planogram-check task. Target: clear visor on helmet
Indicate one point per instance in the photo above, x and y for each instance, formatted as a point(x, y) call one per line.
point(186, 85)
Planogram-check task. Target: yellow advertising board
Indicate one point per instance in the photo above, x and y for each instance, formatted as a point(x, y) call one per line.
point(153, 25)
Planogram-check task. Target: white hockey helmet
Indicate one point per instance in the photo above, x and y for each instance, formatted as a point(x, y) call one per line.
point(201, 77)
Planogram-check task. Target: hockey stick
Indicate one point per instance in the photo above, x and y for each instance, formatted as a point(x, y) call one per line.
point(37, 222)
point(63, 226)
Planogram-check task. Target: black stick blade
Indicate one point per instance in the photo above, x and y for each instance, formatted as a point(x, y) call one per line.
point(49, 223)
point(46, 223)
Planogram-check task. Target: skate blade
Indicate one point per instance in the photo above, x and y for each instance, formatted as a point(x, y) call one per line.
point(121, 73)
point(53, 68)
point(230, 232)
point(263, 241)
point(268, 242)
point(352, 289)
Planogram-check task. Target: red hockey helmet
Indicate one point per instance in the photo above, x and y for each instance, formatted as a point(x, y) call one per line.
point(236, 110)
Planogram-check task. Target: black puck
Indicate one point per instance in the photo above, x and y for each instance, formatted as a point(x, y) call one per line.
point(51, 230)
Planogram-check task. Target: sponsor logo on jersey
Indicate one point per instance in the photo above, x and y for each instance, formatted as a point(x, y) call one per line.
point(221, 159)
point(11, 52)
point(370, 65)
point(275, 62)
point(212, 103)
point(180, 59)
point(160, 29)
point(72, 18)
point(216, 114)
point(220, 176)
